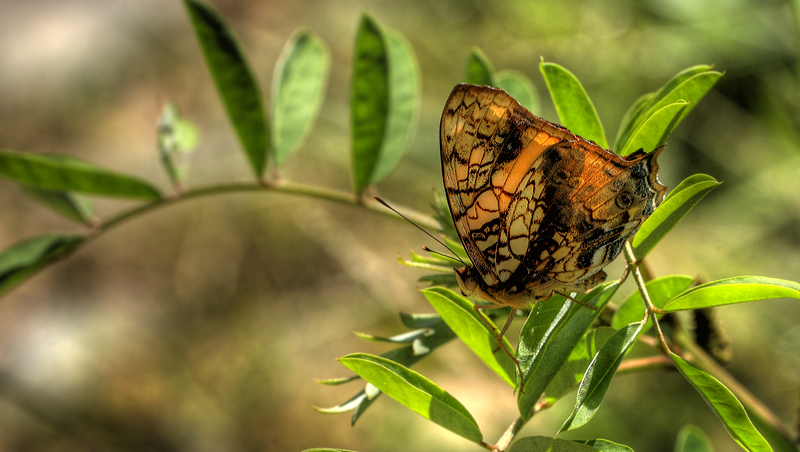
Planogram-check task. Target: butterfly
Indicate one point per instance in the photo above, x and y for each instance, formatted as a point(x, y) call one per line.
point(538, 209)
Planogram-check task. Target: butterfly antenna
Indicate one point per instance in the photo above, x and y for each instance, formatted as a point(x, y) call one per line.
point(377, 198)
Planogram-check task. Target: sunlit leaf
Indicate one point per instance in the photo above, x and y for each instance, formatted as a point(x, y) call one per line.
point(655, 130)
point(575, 110)
point(733, 290)
point(404, 103)
point(604, 445)
point(460, 314)
point(633, 118)
point(629, 120)
point(725, 405)
point(416, 392)
point(547, 444)
point(675, 206)
point(298, 89)
point(548, 337)
point(328, 450)
point(520, 88)
point(692, 439)
point(661, 290)
point(690, 90)
point(369, 100)
point(61, 173)
point(479, 70)
point(571, 373)
point(598, 376)
point(234, 80)
point(23, 259)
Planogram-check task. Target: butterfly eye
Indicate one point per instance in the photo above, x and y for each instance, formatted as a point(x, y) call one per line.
point(624, 200)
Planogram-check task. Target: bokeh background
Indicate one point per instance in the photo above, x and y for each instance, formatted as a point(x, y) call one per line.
point(200, 327)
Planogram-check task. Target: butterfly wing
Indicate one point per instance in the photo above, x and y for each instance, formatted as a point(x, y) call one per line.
point(579, 205)
point(489, 143)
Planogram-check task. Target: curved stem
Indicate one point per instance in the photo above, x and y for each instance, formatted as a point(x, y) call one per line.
point(276, 187)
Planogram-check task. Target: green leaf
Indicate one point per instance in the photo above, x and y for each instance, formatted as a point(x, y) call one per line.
point(298, 90)
point(630, 118)
point(604, 445)
point(575, 109)
point(547, 444)
point(725, 405)
point(70, 205)
point(690, 90)
point(404, 103)
point(675, 206)
point(479, 70)
point(692, 439)
point(369, 100)
point(327, 450)
point(733, 290)
point(461, 316)
point(661, 290)
point(420, 320)
point(176, 138)
point(520, 88)
point(633, 118)
point(416, 392)
point(25, 258)
point(548, 337)
point(61, 173)
point(654, 131)
point(598, 376)
point(234, 80)
point(571, 373)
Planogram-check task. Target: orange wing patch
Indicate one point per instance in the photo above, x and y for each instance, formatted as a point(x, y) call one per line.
point(538, 209)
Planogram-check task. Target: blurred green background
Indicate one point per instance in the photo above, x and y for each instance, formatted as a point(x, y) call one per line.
point(200, 327)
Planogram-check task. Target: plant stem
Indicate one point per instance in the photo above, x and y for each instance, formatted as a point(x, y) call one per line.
point(276, 187)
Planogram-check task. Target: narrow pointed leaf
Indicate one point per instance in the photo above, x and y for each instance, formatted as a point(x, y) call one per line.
point(404, 103)
point(479, 70)
point(416, 392)
point(633, 118)
point(655, 130)
point(69, 205)
point(725, 405)
point(733, 290)
point(520, 88)
point(234, 80)
point(61, 173)
point(461, 316)
point(328, 450)
point(598, 376)
point(575, 110)
point(630, 118)
point(553, 329)
point(670, 212)
point(547, 444)
point(661, 290)
point(369, 100)
point(604, 445)
point(23, 259)
point(692, 439)
point(571, 373)
point(677, 80)
point(298, 90)
point(420, 320)
point(690, 90)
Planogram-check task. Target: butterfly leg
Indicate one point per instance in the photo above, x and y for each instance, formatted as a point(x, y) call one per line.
point(576, 301)
point(501, 333)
